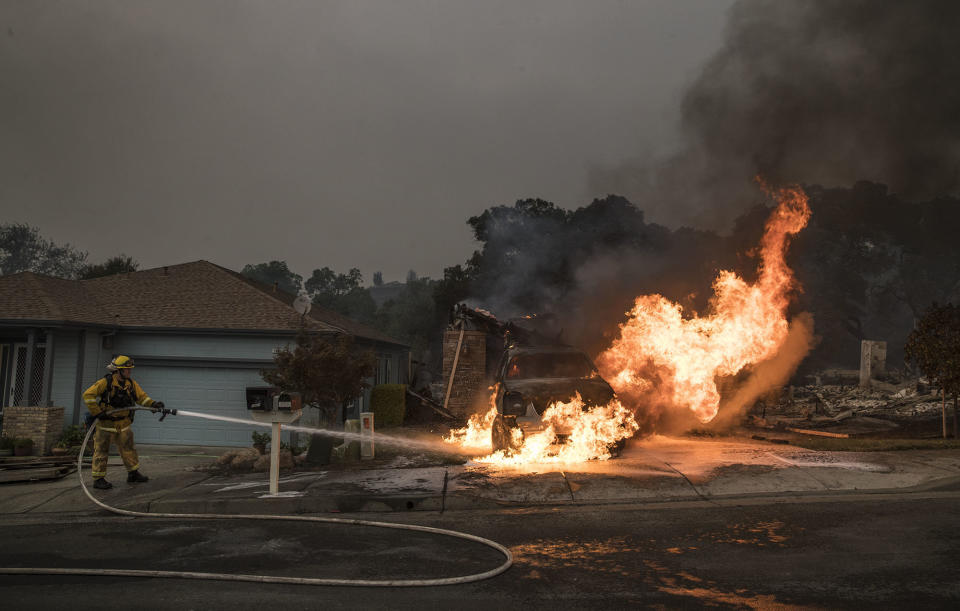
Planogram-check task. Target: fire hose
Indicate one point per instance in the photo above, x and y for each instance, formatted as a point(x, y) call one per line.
point(445, 581)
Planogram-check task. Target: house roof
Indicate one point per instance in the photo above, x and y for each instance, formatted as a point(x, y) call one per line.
point(329, 317)
point(190, 296)
point(36, 297)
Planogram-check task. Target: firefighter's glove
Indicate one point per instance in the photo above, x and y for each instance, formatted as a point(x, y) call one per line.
point(157, 406)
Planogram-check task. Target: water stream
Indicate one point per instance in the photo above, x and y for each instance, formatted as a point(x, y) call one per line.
point(379, 438)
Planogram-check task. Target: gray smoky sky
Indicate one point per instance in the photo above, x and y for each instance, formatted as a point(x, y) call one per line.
point(341, 134)
point(811, 91)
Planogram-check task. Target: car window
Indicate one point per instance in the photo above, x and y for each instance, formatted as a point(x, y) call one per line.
point(565, 365)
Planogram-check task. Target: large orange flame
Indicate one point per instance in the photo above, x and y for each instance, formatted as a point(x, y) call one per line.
point(663, 357)
point(589, 433)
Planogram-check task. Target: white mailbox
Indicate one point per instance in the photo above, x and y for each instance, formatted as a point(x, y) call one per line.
point(271, 405)
point(366, 435)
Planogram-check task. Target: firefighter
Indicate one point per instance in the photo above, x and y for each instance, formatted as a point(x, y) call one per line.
point(116, 390)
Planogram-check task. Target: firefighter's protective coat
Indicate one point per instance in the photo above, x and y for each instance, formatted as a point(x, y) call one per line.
point(114, 428)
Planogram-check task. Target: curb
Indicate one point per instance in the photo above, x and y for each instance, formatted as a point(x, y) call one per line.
point(326, 504)
point(405, 503)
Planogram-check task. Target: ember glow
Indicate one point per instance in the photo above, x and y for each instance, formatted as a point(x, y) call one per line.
point(665, 358)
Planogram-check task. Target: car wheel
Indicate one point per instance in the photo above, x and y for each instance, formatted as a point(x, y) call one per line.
point(501, 435)
point(616, 448)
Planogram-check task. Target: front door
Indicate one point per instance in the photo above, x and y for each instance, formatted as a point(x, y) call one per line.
point(19, 372)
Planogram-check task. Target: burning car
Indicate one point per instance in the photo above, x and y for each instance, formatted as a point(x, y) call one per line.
point(530, 379)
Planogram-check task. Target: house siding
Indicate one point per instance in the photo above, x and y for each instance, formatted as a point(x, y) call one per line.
point(94, 366)
point(199, 346)
point(398, 359)
point(66, 350)
point(205, 372)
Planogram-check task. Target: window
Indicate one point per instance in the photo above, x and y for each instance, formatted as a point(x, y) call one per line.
point(383, 374)
point(18, 381)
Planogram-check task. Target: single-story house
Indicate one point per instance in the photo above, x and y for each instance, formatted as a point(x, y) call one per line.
point(199, 334)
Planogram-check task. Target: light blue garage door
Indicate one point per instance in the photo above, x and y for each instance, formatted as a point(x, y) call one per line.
point(215, 391)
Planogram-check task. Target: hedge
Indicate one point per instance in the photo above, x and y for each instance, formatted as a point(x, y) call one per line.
point(389, 404)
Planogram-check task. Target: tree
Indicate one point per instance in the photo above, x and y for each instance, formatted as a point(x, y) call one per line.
point(327, 370)
point(114, 265)
point(275, 273)
point(377, 278)
point(453, 289)
point(23, 249)
point(411, 315)
point(411, 276)
point(325, 282)
point(934, 347)
point(343, 293)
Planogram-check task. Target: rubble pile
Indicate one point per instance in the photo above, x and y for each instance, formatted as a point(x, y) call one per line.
point(836, 401)
point(839, 401)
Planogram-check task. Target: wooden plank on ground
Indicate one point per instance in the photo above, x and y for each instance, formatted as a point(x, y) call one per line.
point(432, 405)
point(818, 433)
point(33, 475)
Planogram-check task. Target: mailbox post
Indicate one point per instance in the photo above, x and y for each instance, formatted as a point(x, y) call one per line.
point(366, 435)
point(268, 404)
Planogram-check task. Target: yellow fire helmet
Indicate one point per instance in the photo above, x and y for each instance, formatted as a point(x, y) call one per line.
point(121, 362)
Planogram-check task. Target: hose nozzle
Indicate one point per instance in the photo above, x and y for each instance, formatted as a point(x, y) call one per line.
point(165, 411)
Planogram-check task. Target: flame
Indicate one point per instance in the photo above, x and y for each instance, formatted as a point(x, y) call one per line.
point(589, 434)
point(664, 358)
point(477, 433)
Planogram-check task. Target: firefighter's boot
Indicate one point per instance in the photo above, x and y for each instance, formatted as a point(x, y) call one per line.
point(102, 484)
point(135, 477)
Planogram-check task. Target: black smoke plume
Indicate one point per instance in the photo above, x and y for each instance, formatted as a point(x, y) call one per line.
point(824, 92)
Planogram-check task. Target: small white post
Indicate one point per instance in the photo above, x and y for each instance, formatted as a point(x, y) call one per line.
point(284, 412)
point(366, 435)
point(275, 460)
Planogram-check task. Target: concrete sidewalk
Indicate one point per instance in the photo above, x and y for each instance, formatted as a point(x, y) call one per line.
point(652, 470)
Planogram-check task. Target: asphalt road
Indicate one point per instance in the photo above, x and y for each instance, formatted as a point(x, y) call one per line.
point(878, 551)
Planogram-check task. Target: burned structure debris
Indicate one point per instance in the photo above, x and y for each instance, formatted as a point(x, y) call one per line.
point(870, 402)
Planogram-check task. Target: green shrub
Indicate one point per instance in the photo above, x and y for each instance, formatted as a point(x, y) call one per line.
point(260, 439)
point(23, 442)
point(6, 443)
point(388, 402)
point(295, 450)
point(72, 436)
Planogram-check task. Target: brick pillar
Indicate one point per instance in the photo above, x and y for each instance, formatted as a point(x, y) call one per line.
point(471, 368)
point(42, 424)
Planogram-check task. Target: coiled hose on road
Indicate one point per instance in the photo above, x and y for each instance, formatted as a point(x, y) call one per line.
point(445, 581)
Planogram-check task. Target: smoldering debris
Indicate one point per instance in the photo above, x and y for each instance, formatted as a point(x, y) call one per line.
point(833, 402)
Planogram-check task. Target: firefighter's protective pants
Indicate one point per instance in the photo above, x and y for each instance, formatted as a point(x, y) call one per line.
point(119, 433)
